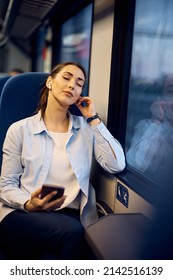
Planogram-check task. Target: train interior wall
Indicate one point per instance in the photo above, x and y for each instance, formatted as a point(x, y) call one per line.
point(106, 184)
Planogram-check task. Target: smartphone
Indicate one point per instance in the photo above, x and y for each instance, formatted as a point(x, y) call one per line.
point(46, 189)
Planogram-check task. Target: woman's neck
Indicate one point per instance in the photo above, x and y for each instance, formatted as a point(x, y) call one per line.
point(56, 120)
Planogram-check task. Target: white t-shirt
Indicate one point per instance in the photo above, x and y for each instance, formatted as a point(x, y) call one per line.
point(61, 172)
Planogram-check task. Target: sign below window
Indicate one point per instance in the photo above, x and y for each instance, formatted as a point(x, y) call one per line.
point(122, 194)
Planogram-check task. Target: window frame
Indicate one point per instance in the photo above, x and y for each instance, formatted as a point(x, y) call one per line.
point(124, 16)
point(63, 14)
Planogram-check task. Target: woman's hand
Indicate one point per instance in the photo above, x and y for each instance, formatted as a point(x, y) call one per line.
point(162, 110)
point(35, 203)
point(89, 110)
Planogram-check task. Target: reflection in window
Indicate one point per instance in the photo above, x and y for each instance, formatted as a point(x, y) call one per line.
point(149, 130)
point(76, 37)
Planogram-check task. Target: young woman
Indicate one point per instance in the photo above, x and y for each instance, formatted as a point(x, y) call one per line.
point(54, 147)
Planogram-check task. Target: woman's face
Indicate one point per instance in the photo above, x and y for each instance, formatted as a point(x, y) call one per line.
point(66, 87)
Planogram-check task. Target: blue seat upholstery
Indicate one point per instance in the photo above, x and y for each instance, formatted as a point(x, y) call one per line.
point(19, 99)
point(3, 80)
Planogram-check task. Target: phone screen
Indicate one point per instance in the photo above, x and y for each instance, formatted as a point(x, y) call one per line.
point(46, 189)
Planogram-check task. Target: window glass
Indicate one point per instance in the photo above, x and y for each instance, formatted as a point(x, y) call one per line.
point(149, 129)
point(47, 51)
point(76, 38)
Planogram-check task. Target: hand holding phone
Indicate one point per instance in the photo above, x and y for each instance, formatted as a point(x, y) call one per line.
point(46, 189)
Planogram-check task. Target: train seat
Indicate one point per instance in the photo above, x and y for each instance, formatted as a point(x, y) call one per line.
point(3, 80)
point(19, 99)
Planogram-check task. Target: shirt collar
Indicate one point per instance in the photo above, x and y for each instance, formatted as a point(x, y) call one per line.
point(74, 122)
point(39, 125)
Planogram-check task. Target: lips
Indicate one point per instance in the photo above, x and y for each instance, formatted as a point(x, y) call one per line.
point(69, 93)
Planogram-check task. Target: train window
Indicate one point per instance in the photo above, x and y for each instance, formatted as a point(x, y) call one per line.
point(76, 38)
point(141, 92)
point(149, 129)
point(47, 51)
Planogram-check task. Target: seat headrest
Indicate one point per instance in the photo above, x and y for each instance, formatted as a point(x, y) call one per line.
point(19, 99)
point(3, 80)
point(20, 96)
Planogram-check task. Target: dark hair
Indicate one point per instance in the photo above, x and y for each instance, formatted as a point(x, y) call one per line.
point(44, 91)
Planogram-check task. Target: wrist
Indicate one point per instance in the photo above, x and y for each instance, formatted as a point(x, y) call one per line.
point(95, 122)
point(93, 119)
point(27, 206)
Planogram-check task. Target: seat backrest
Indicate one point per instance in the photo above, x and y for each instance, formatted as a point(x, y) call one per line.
point(3, 80)
point(19, 99)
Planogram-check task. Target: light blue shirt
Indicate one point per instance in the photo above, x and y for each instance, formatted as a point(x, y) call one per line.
point(27, 155)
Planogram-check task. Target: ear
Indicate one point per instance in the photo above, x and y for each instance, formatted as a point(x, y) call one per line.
point(48, 82)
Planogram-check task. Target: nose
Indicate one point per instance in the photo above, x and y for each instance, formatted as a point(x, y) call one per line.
point(71, 84)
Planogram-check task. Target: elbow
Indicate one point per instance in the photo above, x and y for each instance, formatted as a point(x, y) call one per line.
point(118, 166)
point(121, 166)
point(120, 163)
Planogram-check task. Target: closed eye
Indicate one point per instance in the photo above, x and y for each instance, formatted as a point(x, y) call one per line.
point(68, 79)
point(79, 85)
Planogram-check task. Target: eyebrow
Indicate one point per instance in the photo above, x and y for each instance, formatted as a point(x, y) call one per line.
point(72, 75)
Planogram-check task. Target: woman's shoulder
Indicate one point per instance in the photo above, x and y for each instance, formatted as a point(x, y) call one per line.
point(22, 123)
